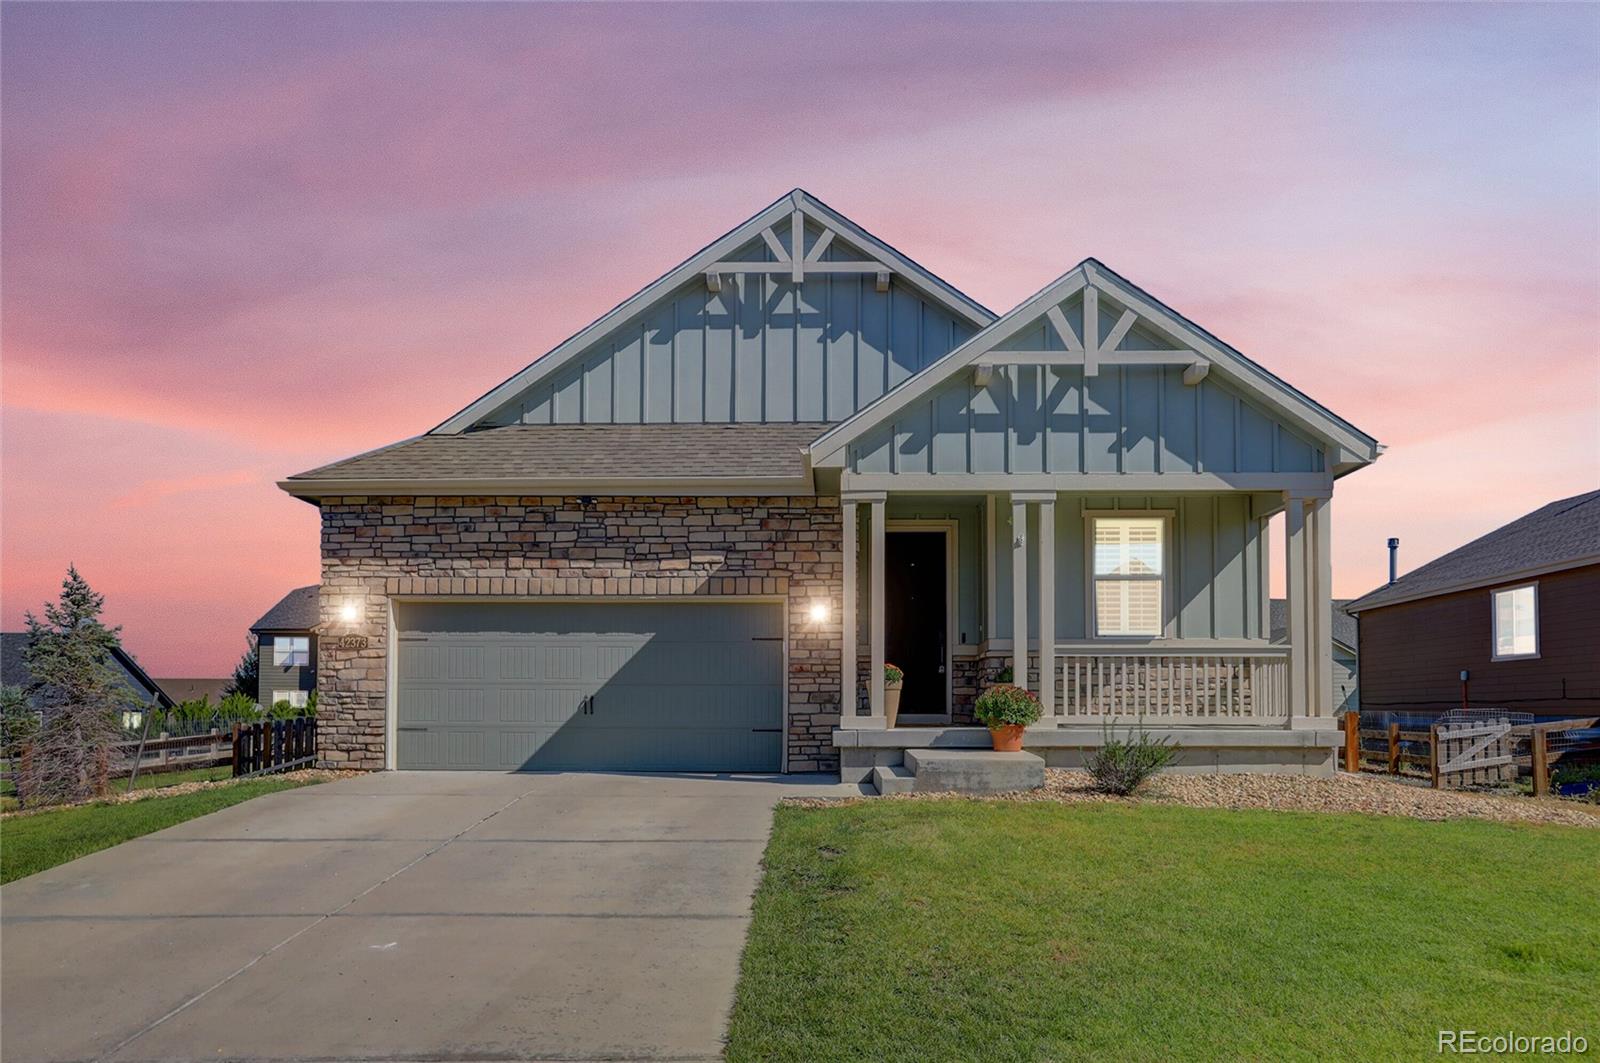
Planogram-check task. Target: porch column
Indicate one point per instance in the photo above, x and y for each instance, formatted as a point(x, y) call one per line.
point(875, 621)
point(1296, 590)
point(1019, 590)
point(847, 613)
point(1320, 604)
point(1047, 608)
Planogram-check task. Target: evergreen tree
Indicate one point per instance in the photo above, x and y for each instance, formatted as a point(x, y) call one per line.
point(247, 673)
point(78, 695)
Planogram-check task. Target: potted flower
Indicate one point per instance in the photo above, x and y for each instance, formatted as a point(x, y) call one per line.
point(1006, 709)
point(893, 680)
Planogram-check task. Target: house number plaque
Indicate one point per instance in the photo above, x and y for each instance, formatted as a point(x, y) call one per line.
point(352, 642)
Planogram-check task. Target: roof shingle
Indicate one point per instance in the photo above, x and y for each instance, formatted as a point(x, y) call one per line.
point(299, 610)
point(1558, 535)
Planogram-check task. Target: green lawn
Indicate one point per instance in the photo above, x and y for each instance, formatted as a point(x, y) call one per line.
point(29, 844)
point(149, 780)
point(992, 930)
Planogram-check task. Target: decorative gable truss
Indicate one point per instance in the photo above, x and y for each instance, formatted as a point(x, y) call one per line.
point(796, 315)
point(1091, 377)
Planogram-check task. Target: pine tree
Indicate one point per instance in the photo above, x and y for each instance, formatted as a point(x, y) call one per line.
point(77, 693)
point(247, 673)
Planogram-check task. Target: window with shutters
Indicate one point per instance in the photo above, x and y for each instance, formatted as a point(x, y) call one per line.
point(1129, 576)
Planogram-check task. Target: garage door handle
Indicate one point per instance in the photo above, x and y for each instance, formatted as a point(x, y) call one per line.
point(410, 728)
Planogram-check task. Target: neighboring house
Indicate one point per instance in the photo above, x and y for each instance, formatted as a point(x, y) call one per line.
point(1345, 698)
point(194, 689)
point(14, 673)
point(1518, 610)
point(286, 640)
point(671, 542)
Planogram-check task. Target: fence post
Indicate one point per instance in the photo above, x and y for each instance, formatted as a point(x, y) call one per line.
point(1394, 749)
point(236, 772)
point(1433, 754)
point(1352, 741)
point(1541, 762)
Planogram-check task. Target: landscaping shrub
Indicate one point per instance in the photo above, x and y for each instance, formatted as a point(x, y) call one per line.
point(1121, 766)
point(1004, 704)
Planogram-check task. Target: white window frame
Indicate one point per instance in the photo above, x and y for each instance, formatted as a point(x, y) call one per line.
point(295, 698)
point(1091, 615)
point(1494, 623)
point(283, 659)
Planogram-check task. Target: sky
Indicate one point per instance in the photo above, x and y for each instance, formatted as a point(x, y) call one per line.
point(238, 241)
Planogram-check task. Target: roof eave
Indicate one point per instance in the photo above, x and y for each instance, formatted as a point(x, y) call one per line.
point(1361, 605)
point(719, 486)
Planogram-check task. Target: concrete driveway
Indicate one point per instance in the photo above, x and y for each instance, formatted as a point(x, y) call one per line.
point(401, 916)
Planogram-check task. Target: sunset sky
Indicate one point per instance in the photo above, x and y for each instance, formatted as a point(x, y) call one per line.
point(240, 241)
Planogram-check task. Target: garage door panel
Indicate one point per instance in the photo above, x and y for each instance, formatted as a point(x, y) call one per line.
point(675, 686)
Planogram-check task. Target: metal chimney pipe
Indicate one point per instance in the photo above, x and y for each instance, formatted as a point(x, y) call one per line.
point(1394, 560)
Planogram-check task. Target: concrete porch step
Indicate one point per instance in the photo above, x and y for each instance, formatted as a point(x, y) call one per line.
point(973, 771)
point(893, 779)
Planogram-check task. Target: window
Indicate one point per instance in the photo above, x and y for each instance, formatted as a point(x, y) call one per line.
point(295, 698)
point(1129, 569)
point(292, 651)
point(1516, 622)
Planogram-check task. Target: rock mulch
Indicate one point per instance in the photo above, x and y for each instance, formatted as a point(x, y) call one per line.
point(1370, 794)
point(308, 775)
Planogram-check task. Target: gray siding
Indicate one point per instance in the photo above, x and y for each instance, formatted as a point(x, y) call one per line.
point(275, 677)
point(1051, 419)
point(762, 349)
point(1216, 560)
point(1346, 698)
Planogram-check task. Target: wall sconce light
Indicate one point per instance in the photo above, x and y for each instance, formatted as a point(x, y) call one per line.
point(350, 611)
point(819, 612)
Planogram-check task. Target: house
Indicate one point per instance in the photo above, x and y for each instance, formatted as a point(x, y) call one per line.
point(1511, 621)
point(213, 690)
point(286, 641)
point(14, 673)
point(1345, 698)
point(673, 541)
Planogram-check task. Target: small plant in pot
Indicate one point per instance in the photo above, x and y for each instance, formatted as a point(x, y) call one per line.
point(1006, 710)
point(893, 680)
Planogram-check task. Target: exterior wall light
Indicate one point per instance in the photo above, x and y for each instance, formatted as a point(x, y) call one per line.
point(350, 612)
point(819, 612)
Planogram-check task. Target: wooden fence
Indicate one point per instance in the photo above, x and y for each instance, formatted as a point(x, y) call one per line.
point(170, 753)
point(1497, 764)
point(274, 745)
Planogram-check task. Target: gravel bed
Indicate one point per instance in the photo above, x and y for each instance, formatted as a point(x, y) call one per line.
point(1371, 794)
point(116, 797)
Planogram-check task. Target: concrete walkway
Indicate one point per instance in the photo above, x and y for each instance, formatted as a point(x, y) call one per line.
point(402, 916)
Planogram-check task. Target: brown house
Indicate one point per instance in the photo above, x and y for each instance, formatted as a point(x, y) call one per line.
point(1516, 612)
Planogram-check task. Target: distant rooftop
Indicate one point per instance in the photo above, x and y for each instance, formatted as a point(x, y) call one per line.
point(1564, 534)
point(1344, 625)
point(299, 610)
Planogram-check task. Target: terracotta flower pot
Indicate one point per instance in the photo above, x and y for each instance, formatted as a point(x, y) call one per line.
point(891, 702)
point(1007, 737)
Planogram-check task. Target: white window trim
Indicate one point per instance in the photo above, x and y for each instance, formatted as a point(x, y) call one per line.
point(289, 696)
point(1494, 623)
point(279, 655)
point(1091, 618)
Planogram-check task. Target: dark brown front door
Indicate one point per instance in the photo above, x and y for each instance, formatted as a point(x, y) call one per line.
point(915, 621)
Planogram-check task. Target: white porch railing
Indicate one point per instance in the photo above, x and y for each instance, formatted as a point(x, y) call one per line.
point(1180, 686)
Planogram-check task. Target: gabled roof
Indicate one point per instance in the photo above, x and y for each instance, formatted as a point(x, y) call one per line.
point(960, 304)
point(531, 459)
point(1344, 625)
point(1561, 535)
point(14, 668)
point(299, 610)
point(1352, 447)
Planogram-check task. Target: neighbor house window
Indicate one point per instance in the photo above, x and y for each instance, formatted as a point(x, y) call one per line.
point(295, 698)
point(1516, 622)
point(1129, 569)
point(292, 651)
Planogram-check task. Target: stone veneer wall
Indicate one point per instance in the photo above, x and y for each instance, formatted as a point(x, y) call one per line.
point(525, 547)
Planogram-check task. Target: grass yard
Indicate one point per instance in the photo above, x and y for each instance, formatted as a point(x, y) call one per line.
point(30, 844)
point(960, 930)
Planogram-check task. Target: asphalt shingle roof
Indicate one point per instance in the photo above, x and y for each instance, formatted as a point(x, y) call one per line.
point(1344, 625)
point(1560, 533)
point(299, 610)
point(579, 451)
point(14, 670)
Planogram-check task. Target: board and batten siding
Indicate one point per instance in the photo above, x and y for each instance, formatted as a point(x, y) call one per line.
point(763, 349)
point(1217, 557)
point(1044, 419)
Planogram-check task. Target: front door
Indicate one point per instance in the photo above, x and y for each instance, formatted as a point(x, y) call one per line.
point(915, 619)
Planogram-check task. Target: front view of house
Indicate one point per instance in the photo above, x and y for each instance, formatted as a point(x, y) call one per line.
point(673, 541)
